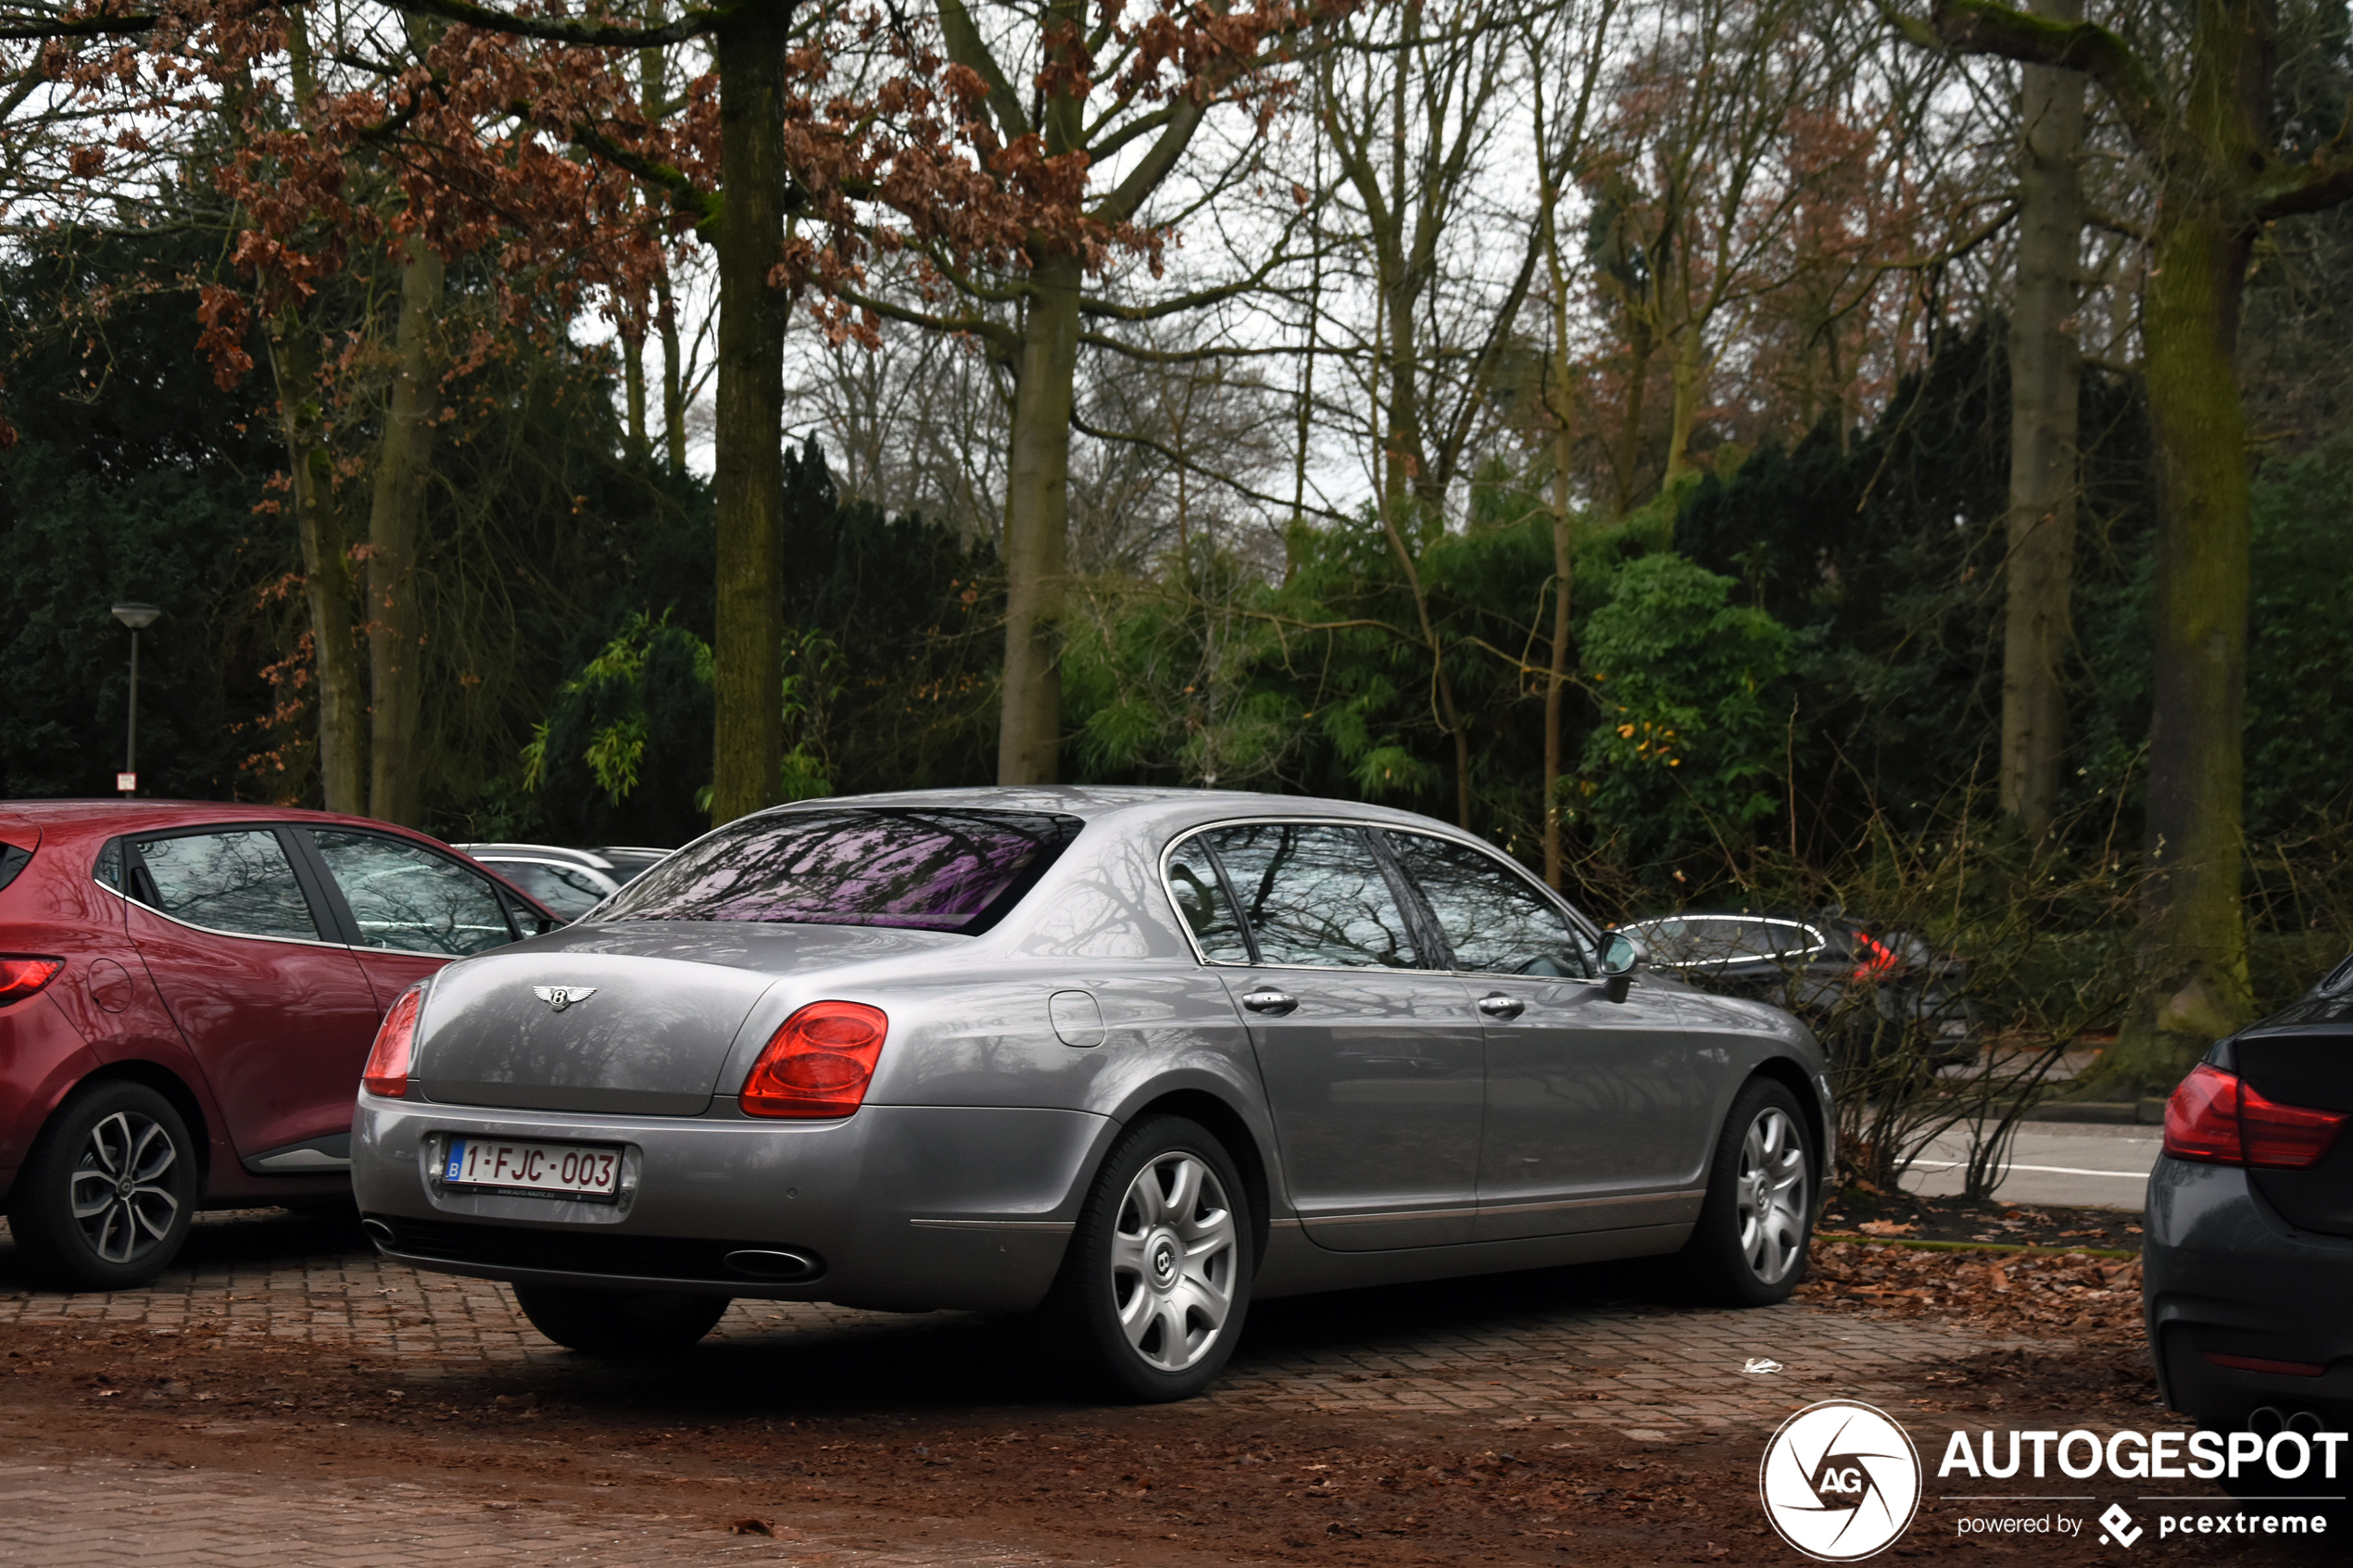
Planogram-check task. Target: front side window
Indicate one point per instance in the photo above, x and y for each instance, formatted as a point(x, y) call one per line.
point(1313, 894)
point(407, 899)
point(238, 882)
point(1496, 922)
point(924, 870)
point(564, 889)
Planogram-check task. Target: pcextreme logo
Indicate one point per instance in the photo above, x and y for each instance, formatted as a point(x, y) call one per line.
point(1840, 1481)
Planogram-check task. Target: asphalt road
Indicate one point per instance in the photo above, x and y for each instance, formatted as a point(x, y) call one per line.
point(2081, 1164)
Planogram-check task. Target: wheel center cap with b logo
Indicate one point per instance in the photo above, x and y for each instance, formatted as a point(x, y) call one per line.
point(1164, 1263)
point(1841, 1481)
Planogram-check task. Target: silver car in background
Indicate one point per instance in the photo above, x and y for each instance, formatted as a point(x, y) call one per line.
point(1122, 1059)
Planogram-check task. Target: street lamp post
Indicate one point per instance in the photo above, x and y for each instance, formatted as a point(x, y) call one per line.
point(135, 616)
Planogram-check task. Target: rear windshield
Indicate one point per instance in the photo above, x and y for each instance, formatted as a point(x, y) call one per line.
point(929, 870)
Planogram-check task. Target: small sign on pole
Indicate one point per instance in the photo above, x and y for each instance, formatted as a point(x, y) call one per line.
point(127, 782)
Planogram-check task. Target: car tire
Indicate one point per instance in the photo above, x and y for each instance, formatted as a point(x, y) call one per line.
point(1155, 1287)
point(107, 1191)
point(1749, 1246)
point(620, 1325)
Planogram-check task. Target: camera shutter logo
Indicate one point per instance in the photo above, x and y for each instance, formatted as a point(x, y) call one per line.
point(1841, 1481)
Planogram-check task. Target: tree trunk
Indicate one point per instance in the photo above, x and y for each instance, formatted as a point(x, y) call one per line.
point(326, 565)
point(747, 482)
point(1556, 677)
point(633, 377)
point(1690, 383)
point(1038, 526)
point(1626, 455)
point(395, 522)
point(2192, 953)
point(2045, 372)
point(673, 390)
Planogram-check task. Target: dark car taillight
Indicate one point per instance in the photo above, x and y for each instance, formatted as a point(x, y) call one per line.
point(22, 976)
point(387, 1069)
point(818, 1062)
point(2217, 1118)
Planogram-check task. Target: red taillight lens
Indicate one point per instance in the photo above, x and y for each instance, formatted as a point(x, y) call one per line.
point(818, 1062)
point(2216, 1118)
point(1877, 958)
point(387, 1071)
point(2285, 1137)
point(20, 977)
point(2202, 1118)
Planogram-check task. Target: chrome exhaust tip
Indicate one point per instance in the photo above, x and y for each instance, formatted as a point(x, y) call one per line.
point(776, 1265)
point(379, 1231)
point(2265, 1421)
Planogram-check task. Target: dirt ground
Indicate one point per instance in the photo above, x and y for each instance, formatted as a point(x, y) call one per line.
point(941, 1436)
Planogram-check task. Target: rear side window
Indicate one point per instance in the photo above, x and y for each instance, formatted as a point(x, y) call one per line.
point(238, 882)
point(1201, 898)
point(956, 871)
point(12, 860)
point(1314, 896)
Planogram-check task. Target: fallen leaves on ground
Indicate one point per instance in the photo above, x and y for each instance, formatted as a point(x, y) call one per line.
point(2088, 1298)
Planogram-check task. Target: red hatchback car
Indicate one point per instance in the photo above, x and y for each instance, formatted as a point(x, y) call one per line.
point(188, 992)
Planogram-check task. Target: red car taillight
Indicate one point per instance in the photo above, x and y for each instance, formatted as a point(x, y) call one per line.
point(20, 977)
point(387, 1069)
point(1877, 958)
point(2217, 1119)
point(818, 1062)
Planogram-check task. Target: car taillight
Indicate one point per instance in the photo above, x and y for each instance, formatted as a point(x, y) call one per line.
point(2202, 1118)
point(20, 977)
point(818, 1062)
point(2217, 1119)
point(387, 1069)
point(1877, 957)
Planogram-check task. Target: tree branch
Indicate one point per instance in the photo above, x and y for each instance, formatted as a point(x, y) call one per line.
point(690, 23)
point(1986, 26)
point(79, 27)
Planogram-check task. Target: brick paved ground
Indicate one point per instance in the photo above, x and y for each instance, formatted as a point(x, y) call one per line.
point(57, 1509)
point(1553, 1349)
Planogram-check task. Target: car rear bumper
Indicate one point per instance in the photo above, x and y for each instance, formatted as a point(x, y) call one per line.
point(896, 1206)
point(2225, 1278)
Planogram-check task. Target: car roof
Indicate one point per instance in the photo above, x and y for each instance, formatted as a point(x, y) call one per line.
point(535, 852)
point(1135, 805)
point(110, 817)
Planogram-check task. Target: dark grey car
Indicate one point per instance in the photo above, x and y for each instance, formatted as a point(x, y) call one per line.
point(1124, 1057)
point(2248, 1248)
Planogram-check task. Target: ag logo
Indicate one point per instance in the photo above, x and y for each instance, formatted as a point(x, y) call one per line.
point(1840, 1481)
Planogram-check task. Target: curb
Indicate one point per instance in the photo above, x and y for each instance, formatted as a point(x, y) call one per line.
point(2117, 1112)
point(2029, 1248)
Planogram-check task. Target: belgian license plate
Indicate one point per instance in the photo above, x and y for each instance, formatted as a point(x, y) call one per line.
point(558, 1170)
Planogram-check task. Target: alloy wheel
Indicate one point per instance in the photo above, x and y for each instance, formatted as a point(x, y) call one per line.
point(120, 1189)
point(1771, 1196)
point(1173, 1257)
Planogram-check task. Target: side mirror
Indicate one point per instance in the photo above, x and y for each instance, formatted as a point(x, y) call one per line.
point(1621, 956)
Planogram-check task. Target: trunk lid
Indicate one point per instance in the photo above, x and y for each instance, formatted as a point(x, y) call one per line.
point(2309, 1063)
point(649, 1013)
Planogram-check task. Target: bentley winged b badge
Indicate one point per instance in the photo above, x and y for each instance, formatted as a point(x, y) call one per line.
point(562, 996)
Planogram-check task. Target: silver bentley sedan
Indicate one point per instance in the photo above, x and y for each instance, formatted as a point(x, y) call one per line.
point(1120, 1058)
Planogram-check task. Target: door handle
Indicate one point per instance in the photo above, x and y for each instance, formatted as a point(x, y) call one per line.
point(1270, 1000)
point(1500, 1006)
